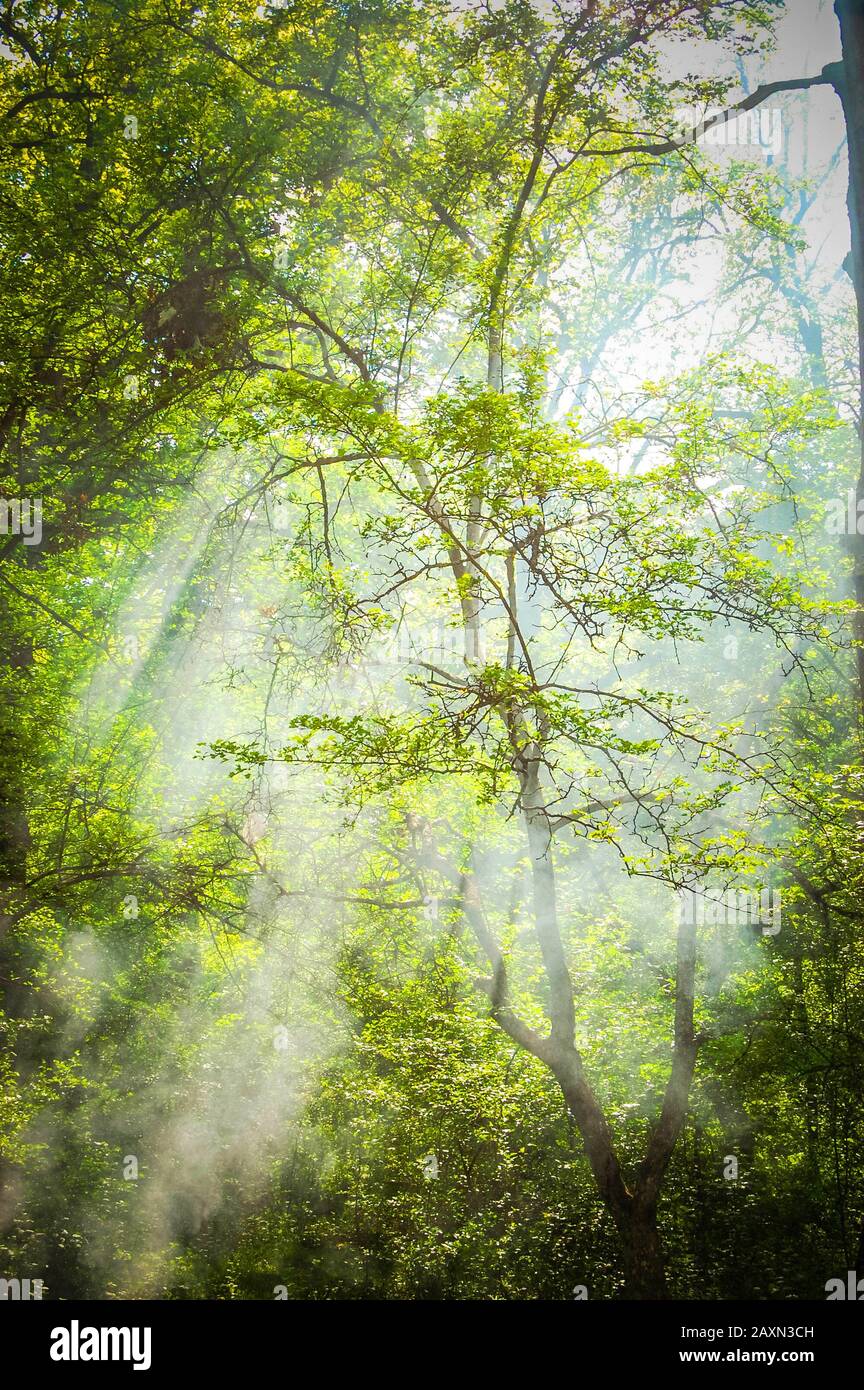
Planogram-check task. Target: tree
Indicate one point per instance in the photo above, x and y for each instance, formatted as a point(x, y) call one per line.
point(551, 559)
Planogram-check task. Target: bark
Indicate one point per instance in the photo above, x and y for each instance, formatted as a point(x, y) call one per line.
point(848, 81)
point(643, 1255)
point(665, 1134)
point(16, 656)
point(561, 1010)
point(632, 1210)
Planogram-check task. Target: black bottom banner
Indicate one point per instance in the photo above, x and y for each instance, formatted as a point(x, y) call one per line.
point(86, 1340)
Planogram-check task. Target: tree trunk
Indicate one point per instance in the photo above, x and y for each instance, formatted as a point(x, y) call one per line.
point(848, 82)
point(635, 1216)
point(16, 656)
point(644, 1268)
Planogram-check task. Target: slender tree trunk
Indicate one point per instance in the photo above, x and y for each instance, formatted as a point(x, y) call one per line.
point(634, 1210)
point(634, 1215)
point(16, 656)
point(848, 82)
